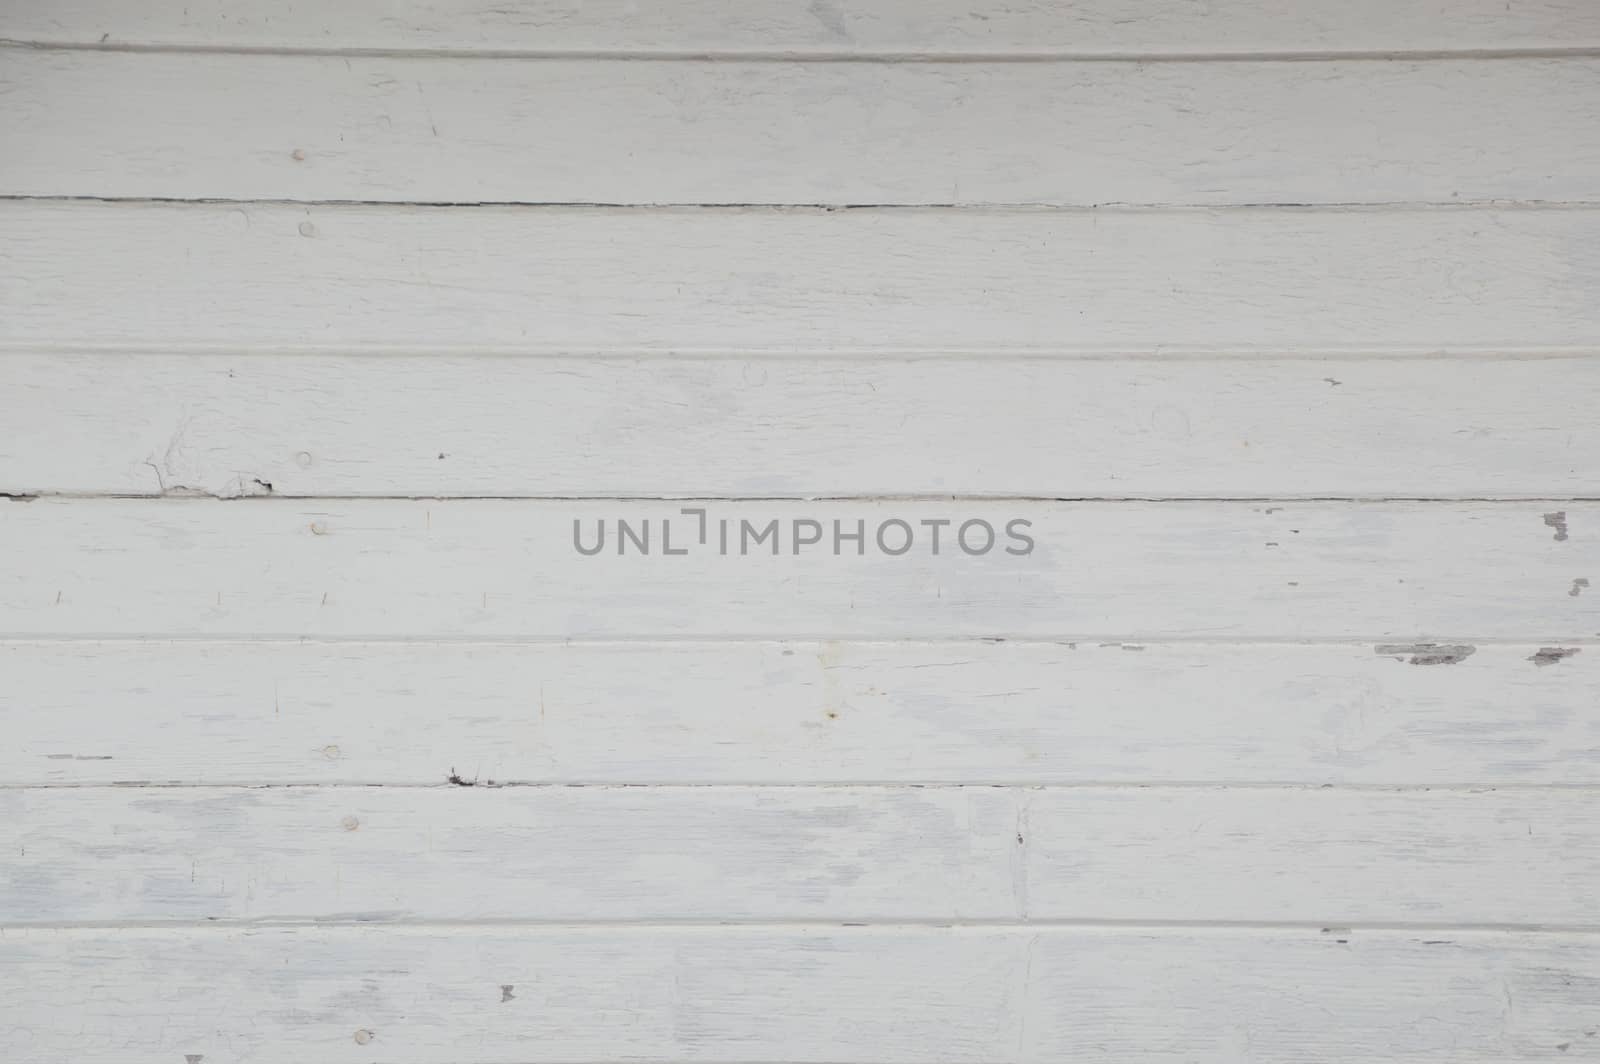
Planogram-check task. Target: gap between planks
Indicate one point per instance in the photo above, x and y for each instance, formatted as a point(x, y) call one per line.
point(792, 55)
point(458, 783)
point(1162, 353)
point(197, 494)
point(972, 206)
point(1331, 928)
point(1128, 642)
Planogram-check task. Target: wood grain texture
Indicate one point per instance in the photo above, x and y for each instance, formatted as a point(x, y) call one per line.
point(797, 996)
point(562, 853)
point(1323, 856)
point(218, 713)
point(105, 422)
point(1399, 572)
point(1088, 27)
point(1316, 857)
point(769, 279)
point(124, 125)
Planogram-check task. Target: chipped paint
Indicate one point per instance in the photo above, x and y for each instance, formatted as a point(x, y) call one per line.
point(1428, 653)
point(1550, 655)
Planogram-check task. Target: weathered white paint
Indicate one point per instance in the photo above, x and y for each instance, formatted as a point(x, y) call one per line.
point(1321, 856)
point(106, 422)
point(1399, 572)
point(515, 995)
point(749, 280)
point(810, 27)
point(745, 712)
point(740, 853)
point(559, 853)
point(466, 130)
point(1310, 715)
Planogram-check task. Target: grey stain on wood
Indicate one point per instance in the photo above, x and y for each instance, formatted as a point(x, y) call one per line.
point(505, 992)
point(1578, 584)
point(1550, 655)
point(1557, 521)
point(1428, 653)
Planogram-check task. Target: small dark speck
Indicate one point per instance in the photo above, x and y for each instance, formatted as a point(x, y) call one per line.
point(1563, 1046)
point(1557, 521)
point(1019, 838)
point(1333, 382)
point(191, 1058)
point(441, 456)
point(1578, 585)
point(1550, 655)
point(505, 992)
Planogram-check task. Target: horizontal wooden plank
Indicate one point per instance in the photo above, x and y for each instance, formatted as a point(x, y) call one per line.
point(1323, 856)
point(769, 425)
point(749, 853)
point(1089, 27)
point(467, 130)
point(290, 712)
point(558, 853)
point(1393, 571)
point(764, 279)
point(795, 995)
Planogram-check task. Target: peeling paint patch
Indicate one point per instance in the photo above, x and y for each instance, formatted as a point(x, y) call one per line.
point(1557, 521)
point(1428, 653)
point(1550, 655)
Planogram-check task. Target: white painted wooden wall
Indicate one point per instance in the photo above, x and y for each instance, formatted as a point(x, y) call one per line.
point(320, 323)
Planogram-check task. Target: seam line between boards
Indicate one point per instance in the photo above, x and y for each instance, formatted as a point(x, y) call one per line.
point(1129, 642)
point(822, 785)
point(201, 496)
point(996, 207)
point(1362, 354)
point(801, 55)
point(845, 924)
